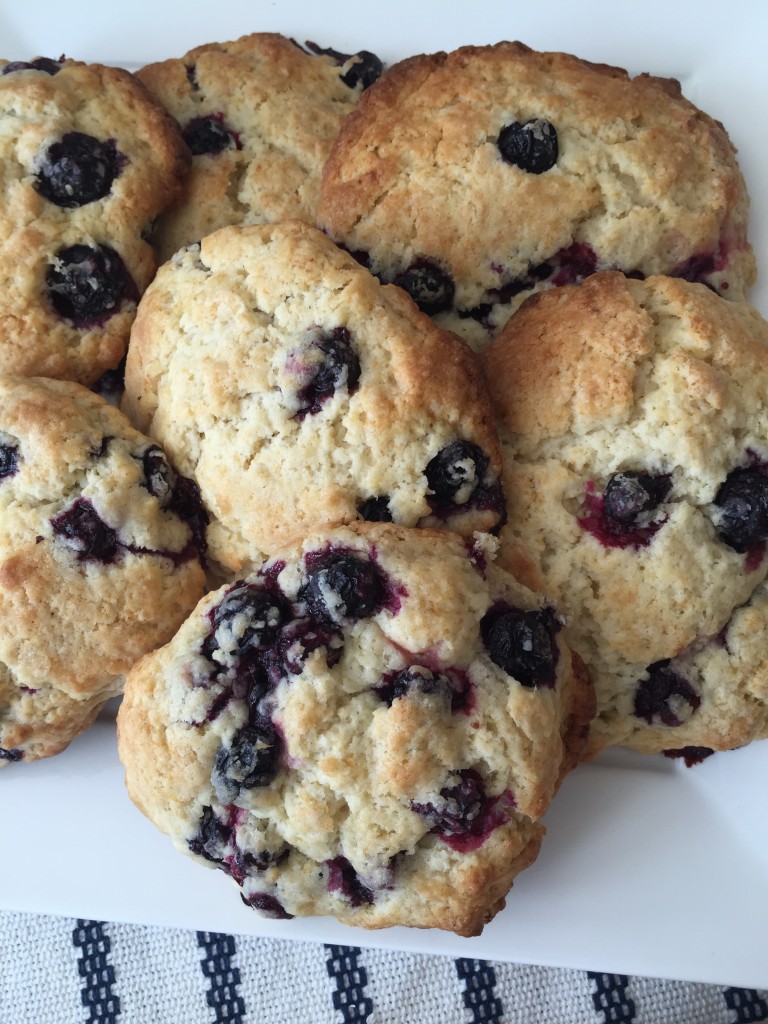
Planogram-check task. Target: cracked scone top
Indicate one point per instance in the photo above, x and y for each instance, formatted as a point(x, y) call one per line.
point(99, 559)
point(369, 726)
point(259, 115)
point(475, 177)
point(87, 160)
point(634, 424)
point(297, 390)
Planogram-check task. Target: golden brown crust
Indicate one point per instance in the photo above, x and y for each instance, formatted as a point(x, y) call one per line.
point(107, 104)
point(219, 388)
point(643, 181)
point(360, 771)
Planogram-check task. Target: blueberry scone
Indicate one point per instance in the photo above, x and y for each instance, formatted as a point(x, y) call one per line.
point(296, 390)
point(368, 726)
point(634, 424)
point(99, 559)
point(87, 160)
point(475, 178)
point(259, 116)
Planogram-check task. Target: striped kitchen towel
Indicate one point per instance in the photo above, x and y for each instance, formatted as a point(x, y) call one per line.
point(66, 971)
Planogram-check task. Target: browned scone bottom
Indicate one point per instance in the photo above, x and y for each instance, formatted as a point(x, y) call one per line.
point(634, 425)
point(369, 726)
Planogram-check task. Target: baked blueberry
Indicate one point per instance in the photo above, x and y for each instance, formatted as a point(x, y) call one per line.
point(461, 808)
point(50, 67)
point(629, 495)
point(431, 288)
point(159, 478)
point(268, 905)
point(742, 501)
point(248, 618)
point(210, 135)
point(188, 505)
point(342, 586)
point(9, 459)
point(339, 367)
point(212, 839)
point(86, 284)
point(375, 510)
point(79, 169)
point(343, 878)
point(665, 696)
point(82, 529)
point(523, 643)
point(415, 677)
point(532, 146)
point(366, 69)
point(691, 755)
point(250, 760)
point(456, 472)
point(11, 754)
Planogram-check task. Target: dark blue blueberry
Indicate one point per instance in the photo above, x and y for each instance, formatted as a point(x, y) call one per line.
point(212, 839)
point(629, 495)
point(522, 643)
point(187, 504)
point(460, 465)
point(343, 878)
point(159, 478)
point(79, 169)
point(86, 284)
point(431, 288)
point(250, 761)
point(461, 809)
point(365, 70)
point(531, 146)
point(50, 67)
point(268, 905)
point(81, 528)
point(743, 503)
point(9, 460)
point(210, 135)
point(664, 685)
point(339, 366)
point(255, 613)
point(11, 754)
point(342, 586)
point(415, 677)
point(375, 510)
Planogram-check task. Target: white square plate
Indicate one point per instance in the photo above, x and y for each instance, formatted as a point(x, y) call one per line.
point(648, 868)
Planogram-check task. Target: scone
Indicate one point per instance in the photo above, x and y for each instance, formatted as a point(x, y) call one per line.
point(297, 390)
point(475, 178)
point(369, 726)
point(259, 115)
point(87, 160)
point(99, 559)
point(634, 422)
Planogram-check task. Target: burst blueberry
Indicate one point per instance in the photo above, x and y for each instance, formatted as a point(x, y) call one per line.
point(375, 510)
point(9, 460)
point(531, 145)
point(630, 495)
point(50, 67)
point(247, 618)
point(460, 808)
point(367, 67)
point(81, 528)
point(341, 585)
point(338, 367)
point(743, 503)
point(415, 678)
point(78, 169)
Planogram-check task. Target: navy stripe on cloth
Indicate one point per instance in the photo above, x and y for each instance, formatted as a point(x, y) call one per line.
point(217, 964)
point(349, 997)
point(98, 974)
point(749, 1007)
point(611, 998)
point(479, 992)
